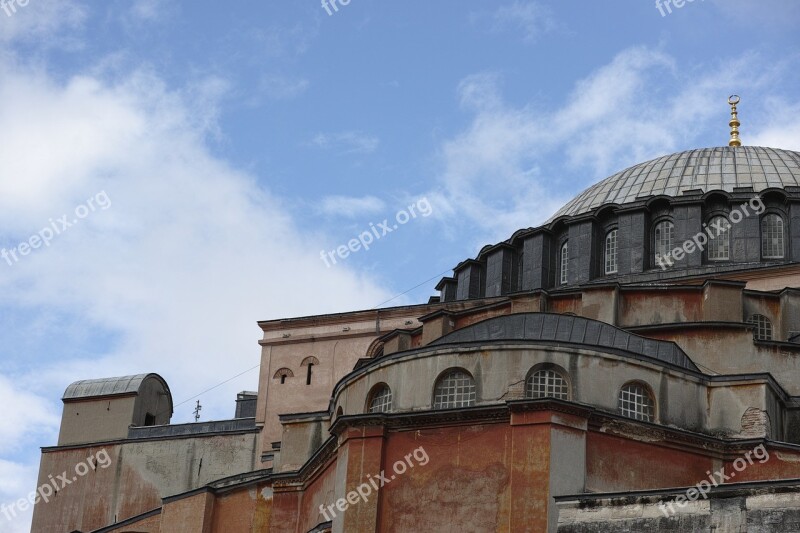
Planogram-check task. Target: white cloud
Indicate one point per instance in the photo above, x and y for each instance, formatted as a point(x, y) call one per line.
point(148, 10)
point(499, 171)
point(16, 484)
point(189, 255)
point(532, 18)
point(347, 142)
point(781, 127)
point(41, 21)
point(775, 14)
point(279, 87)
point(33, 416)
point(351, 207)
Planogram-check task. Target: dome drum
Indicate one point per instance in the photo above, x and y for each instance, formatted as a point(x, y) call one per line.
point(693, 213)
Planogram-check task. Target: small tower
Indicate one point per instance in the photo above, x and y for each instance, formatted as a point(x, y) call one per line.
point(97, 410)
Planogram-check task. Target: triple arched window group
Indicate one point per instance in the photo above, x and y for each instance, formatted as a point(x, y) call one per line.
point(456, 388)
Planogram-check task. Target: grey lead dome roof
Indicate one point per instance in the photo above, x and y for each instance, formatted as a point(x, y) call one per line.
point(708, 169)
point(89, 388)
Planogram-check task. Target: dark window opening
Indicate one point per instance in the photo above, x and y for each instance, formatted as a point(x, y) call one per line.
point(283, 379)
point(308, 374)
point(149, 420)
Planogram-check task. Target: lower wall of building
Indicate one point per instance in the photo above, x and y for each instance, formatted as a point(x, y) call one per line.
point(488, 474)
point(763, 513)
point(138, 474)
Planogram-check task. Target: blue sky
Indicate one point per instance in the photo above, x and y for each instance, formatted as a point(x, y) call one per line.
point(236, 141)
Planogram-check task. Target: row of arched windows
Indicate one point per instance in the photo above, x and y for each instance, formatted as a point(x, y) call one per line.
point(719, 242)
point(773, 244)
point(282, 374)
point(456, 388)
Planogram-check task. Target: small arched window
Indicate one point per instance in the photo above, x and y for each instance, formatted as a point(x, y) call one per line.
point(547, 383)
point(636, 401)
point(719, 243)
point(611, 252)
point(375, 349)
point(772, 246)
point(282, 374)
point(662, 243)
point(455, 388)
point(380, 400)
point(309, 362)
point(762, 327)
point(564, 264)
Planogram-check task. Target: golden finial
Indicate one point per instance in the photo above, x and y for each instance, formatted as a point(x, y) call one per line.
point(735, 141)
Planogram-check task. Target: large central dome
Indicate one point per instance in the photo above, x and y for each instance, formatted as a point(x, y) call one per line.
point(707, 169)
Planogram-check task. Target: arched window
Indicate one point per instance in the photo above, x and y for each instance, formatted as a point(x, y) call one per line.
point(380, 400)
point(282, 374)
point(762, 327)
point(772, 237)
point(636, 401)
point(611, 252)
point(719, 244)
point(310, 362)
point(564, 265)
point(547, 383)
point(375, 349)
point(455, 388)
point(662, 243)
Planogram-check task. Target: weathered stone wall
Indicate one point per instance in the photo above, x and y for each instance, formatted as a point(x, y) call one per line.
point(745, 510)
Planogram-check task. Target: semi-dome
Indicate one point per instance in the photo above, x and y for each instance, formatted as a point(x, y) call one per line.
point(707, 169)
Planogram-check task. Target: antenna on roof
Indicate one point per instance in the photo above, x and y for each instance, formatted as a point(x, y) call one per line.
point(197, 411)
point(735, 141)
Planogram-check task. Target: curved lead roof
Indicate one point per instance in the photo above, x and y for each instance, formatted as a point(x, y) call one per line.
point(91, 388)
point(707, 169)
point(567, 329)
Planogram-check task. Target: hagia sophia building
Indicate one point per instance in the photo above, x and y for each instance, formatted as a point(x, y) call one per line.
point(633, 364)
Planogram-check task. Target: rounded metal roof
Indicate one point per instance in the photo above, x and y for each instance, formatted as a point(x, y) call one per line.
point(707, 169)
point(90, 388)
point(568, 329)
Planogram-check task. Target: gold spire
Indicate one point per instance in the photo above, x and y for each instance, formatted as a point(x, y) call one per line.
point(734, 124)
